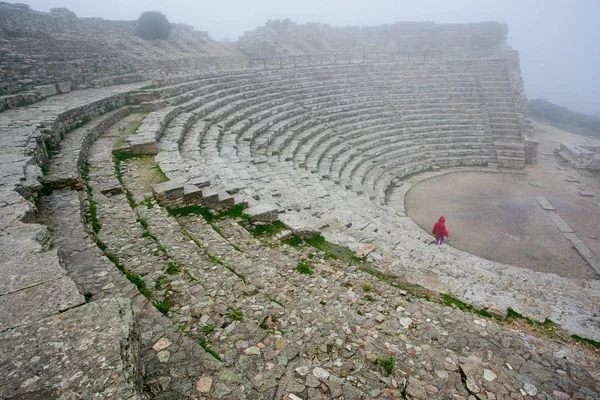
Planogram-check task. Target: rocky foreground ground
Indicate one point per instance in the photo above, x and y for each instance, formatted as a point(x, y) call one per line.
point(228, 309)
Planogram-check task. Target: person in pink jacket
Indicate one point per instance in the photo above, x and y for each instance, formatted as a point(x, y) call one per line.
point(439, 231)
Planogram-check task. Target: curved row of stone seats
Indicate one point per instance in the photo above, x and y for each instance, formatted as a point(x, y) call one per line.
point(30, 94)
point(338, 153)
point(64, 170)
point(445, 132)
point(233, 106)
point(42, 303)
point(157, 121)
point(27, 131)
point(257, 135)
point(97, 278)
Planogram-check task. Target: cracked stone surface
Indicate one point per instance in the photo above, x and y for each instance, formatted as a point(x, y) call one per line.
point(90, 351)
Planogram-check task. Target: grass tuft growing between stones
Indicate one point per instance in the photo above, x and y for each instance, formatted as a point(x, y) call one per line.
point(388, 364)
point(91, 215)
point(235, 315)
point(267, 230)
point(161, 281)
point(294, 241)
point(160, 175)
point(173, 268)
point(591, 342)
point(456, 303)
point(163, 306)
point(207, 214)
point(275, 301)
point(147, 202)
point(83, 121)
point(303, 268)
point(202, 342)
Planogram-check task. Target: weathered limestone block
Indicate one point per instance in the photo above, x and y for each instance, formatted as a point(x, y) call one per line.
point(300, 225)
point(46, 90)
point(584, 157)
point(35, 285)
point(63, 87)
point(88, 352)
point(167, 192)
point(531, 147)
point(192, 194)
point(263, 213)
point(143, 145)
point(46, 297)
point(225, 199)
point(210, 197)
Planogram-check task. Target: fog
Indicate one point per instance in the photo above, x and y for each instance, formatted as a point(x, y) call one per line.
point(558, 39)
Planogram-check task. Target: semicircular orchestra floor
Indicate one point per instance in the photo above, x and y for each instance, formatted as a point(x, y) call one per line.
point(497, 216)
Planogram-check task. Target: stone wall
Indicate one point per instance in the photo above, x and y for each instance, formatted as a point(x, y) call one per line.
point(285, 37)
point(520, 104)
point(46, 48)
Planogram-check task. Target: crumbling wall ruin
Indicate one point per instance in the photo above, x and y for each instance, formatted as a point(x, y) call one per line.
point(278, 38)
point(47, 48)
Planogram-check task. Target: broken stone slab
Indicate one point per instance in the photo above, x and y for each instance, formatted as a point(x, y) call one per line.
point(560, 223)
point(36, 302)
point(545, 203)
point(33, 237)
point(538, 185)
point(209, 196)
point(63, 87)
point(239, 199)
point(90, 350)
point(300, 225)
point(585, 251)
point(571, 179)
point(586, 194)
point(27, 270)
point(263, 213)
point(199, 182)
point(169, 190)
point(192, 194)
point(225, 199)
point(143, 145)
point(46, 90)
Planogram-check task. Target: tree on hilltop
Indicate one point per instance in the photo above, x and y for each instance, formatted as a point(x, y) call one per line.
point(153, 25)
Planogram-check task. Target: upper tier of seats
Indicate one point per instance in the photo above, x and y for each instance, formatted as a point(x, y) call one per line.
point(354, 124)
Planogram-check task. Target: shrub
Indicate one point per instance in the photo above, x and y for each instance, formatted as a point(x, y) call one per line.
point(153, 25)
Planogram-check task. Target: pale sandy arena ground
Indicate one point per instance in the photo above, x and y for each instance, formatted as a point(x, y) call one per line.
point(496, 216)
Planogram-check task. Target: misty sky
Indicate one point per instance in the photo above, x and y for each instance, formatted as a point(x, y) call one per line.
point(559, 40)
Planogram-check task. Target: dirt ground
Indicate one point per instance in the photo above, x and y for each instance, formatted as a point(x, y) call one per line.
point(497, 216)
